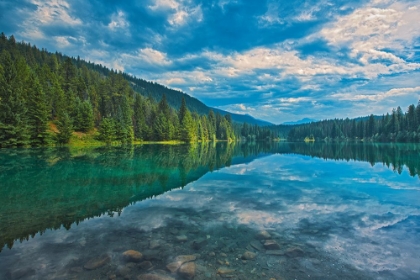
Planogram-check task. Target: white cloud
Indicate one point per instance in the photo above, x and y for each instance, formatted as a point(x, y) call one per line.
point(152, 56)
point(271, 16)
point(118, 21)
point(62, 41)
point(174, 81)
point(377, 26)
point(180, 11)
point(377, 96)
point(55, 12)
point(164, 4)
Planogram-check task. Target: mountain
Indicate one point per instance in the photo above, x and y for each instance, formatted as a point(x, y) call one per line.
point(302, 121)
point(174, 97)
point(52, 98)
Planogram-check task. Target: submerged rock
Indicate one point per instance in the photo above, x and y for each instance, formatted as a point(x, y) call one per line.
point(274, 252)
point(152, 276)
point(180, 260)
point(145, 265)
point(97, 262)
point(224, 270)
point(185, 258)
point(294, 252)
point(199, 243)
point(181, 238)
point(256, 245)
point(248, 255)
point(271, 245)
point(187, 270)
point(263, 235)
point(132, 256)
point(154, 244)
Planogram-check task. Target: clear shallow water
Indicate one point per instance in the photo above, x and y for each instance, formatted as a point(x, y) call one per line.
point(331, 211)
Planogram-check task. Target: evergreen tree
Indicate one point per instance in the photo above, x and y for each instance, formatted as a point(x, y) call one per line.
point(65, 128)
point(139, 119)
point(182, 110)
point(107, 130)
point(187, 128)
point(13, 112)
point(37, 113)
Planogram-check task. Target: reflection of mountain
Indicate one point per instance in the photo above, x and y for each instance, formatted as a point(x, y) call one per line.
point(44, 189)
point(49, 188)
point(394, 155)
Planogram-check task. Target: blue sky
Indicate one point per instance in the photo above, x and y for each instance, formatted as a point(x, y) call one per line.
point(275, 60)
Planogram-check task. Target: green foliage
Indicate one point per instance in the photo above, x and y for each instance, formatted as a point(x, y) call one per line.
point(107, 132)
point(37, 87)
point(65, 128)
point(394, 127)
point(37, 113)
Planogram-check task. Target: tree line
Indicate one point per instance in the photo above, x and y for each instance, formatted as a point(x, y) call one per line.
point(398, 126)
point(45, 97)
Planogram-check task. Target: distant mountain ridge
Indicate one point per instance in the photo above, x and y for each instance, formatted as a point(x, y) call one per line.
point(302, 121)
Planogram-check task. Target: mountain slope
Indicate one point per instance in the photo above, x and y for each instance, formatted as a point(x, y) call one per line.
point(174, 97)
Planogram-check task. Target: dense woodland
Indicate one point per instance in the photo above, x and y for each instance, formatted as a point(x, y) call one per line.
point(395, 127)
point(45, 97)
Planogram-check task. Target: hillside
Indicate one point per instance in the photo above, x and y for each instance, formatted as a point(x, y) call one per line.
point(174, 97)
point(40, 90)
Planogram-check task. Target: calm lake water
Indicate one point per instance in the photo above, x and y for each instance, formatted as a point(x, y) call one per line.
point(266, 211)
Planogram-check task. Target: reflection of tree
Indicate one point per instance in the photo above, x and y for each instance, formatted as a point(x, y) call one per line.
point(394, 155)
point(53, 187)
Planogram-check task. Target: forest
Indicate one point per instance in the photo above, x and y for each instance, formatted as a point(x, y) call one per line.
point(45, 98)
point(395, 127)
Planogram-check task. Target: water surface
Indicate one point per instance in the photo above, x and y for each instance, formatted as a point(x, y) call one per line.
point(301, 211)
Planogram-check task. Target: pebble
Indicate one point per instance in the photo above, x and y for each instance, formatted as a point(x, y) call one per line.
point(145, 265)
point(256, 245)
point(187, 270)
point(151, 276)
point(271, 245)
point(199, 243)
point(294, 252)
point(248, 255)
point(224, 270)
point(97, 262)
point(154, 244)
point(274, 252)
point(132, 256)
point(263, 235)
point(180, 260)
point(181, 238)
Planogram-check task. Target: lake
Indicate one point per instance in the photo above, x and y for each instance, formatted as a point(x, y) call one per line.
point(211, 211)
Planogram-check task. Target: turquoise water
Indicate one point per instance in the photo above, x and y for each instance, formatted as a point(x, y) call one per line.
point(282, 211)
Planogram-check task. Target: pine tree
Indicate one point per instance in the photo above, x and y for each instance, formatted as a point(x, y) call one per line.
point(107, 130)
point(139, 119)
point(13, 112)
point(182, 111)
point(65, 128)
point(187, 128)
point(37, 113)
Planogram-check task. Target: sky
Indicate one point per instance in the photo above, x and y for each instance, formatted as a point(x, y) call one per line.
point(278, 61)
